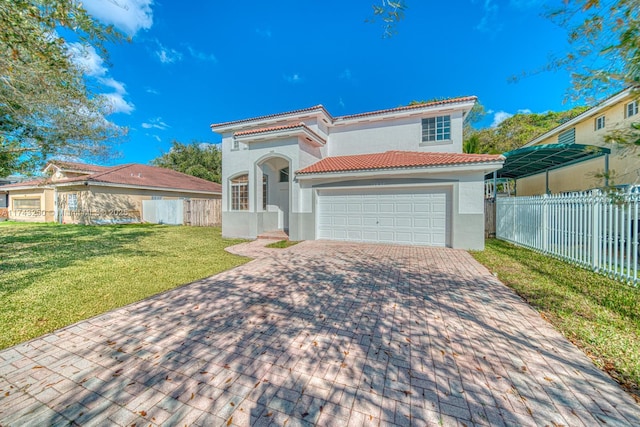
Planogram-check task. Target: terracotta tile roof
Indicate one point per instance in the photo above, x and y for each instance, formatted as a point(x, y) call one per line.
point(279, 128)
point(135, 175)
point(410, 107)
point(395, 159)
point(273, 116)
point(75, 166)
point(150, 176)
point(29, 183)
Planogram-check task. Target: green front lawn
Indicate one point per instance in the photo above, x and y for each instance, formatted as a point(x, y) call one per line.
point(54, 275)
point(599, 315)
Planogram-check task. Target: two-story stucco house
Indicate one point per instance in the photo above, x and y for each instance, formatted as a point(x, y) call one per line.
point(389, 176)
point(620, 166)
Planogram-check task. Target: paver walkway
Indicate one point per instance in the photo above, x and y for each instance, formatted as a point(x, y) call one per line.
point(321, 333)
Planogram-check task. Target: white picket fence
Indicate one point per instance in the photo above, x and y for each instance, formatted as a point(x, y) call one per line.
point(596, 230)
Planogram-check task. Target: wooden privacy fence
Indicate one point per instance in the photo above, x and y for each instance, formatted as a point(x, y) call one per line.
point(203, 213)
point(596, 230)
point(489, 218)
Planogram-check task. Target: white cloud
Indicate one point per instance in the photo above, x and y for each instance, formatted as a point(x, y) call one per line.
point(264, 32)
point(152, 91)
point(156, 123)
point(167, 55)
point(87, 59)
point(524, 111)
point(346, 74)
point(499, 117)
point(341, 102)
point(92, 65)
point(526, 4)
point(130, 16)
point(201, 55)
point(117, 104)
point(156, 137)
point(294, 78)
point(490, 16)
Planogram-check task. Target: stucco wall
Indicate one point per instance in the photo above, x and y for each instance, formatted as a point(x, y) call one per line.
point(624, 163)
point(398, 134)
point(31, 215)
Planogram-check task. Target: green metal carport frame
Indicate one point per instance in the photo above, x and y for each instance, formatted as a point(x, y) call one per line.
point(536, 159)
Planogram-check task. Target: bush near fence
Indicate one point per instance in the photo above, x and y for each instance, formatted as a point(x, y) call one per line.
point(597, 230)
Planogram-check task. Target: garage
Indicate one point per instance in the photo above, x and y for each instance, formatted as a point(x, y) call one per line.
point(402, 216)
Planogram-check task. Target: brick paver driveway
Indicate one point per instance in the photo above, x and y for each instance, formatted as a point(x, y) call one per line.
point(322, 333)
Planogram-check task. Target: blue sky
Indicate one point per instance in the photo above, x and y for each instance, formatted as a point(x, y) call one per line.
point(191, 64)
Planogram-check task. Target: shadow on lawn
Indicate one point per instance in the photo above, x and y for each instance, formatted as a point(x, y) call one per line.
point(305, 338)
point(31, 251)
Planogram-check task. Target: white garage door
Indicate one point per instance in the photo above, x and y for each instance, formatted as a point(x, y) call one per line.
point(416, 216)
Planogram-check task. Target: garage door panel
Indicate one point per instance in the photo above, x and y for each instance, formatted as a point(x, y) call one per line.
point(408, 216)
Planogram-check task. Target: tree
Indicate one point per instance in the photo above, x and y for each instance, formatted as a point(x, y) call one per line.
point(199, 159)
point(604, 40)
point(516, 131)
point(46, 108)
point(390, 12)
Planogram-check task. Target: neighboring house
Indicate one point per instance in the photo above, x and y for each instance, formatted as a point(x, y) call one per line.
point(392, 176)
point(81, 193)
point(620, 168)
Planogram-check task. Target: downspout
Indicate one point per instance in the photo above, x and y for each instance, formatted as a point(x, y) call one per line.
point(56, 217)
point(546, 182)
point(606, 170)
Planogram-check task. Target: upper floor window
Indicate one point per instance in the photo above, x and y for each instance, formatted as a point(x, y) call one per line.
point(599, 123)
point(436, 129)
point(240, 193)
point(631, 109)
point(284, 175)
point(235, 145)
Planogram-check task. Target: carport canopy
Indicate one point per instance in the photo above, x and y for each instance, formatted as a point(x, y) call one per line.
point(536, 159)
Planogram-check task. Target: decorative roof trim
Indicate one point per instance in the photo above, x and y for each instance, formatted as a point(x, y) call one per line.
point(297, 128)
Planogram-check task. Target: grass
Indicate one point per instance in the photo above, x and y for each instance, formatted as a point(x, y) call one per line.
point(598, 314)
point(54, 275)
point(281, 244)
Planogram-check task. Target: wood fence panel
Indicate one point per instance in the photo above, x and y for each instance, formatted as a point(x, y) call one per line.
point(203, 213)
point(489, 218)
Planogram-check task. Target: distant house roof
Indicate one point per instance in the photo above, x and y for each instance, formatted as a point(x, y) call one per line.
point(395, 160)
point(75, 166)
point(132, 175)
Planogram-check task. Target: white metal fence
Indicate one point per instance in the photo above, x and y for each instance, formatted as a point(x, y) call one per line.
point(596, 230)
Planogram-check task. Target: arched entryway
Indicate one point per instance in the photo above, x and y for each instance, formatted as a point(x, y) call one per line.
point(274, 194)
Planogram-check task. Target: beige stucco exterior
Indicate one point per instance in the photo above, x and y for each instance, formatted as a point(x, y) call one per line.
point(624, 160)
point(95, 204)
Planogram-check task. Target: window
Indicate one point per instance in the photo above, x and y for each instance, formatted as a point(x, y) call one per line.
point(631, 109)
point(156, 197)
point(72, 202)
point(26, 203)
point(284, 175)
point(599, 122)
point(235, 145)
point(265, 191)
point(436, 129)
point(240, 193)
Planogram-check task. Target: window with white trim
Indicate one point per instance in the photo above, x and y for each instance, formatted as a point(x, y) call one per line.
point(631, 109)
point(436, 129)
point(240, 193)
point(72, 202)
point(235, 145)
point(599, 124)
